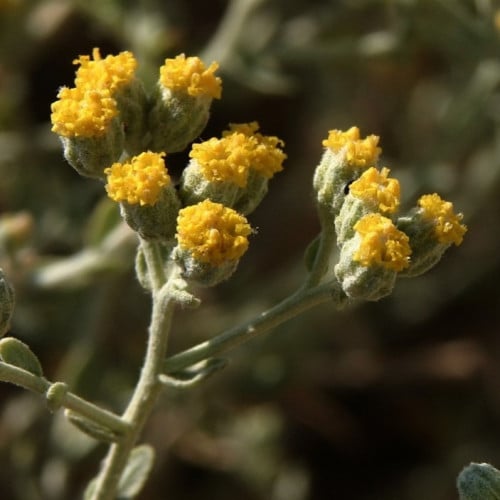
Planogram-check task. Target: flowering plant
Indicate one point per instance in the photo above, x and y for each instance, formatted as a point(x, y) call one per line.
point(193, 231)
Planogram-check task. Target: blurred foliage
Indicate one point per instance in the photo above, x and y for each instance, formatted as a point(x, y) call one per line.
point(381, 401)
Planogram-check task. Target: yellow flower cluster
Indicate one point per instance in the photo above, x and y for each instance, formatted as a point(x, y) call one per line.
point(190, 75)
point(87, 109)
point(111, 73)
point(240, 150)
point(139, 181)
point(377, 189)
point(447, 225)
point(381, 243)
point(82, 113)
point(359, 152)
point(212, 233)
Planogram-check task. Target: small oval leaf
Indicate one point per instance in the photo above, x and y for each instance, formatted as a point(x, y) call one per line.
point(17, 353)
point(90, 428)
point(136, 472)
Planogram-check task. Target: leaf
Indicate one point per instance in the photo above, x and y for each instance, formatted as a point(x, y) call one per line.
point(17, 353)
point(103, 219)
point(90, 428)
point(136, 472)
point(90, 489)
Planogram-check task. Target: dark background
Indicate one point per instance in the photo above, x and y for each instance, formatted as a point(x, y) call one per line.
point(379, 401)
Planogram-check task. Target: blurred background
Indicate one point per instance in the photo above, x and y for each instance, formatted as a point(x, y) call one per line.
point(387, 400)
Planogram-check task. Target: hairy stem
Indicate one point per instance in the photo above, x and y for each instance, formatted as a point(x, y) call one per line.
point(292, 306)
point(148, 386)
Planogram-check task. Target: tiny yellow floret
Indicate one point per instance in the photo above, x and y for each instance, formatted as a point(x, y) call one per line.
point(140, 181)
point(382, 244)
point(82, 113)
point(265, 155)
point(376, 188)
point(110, 73)
point(190, 75)
point(359, 152)
point(212, 233)
point(448, 228)
point(240, 149)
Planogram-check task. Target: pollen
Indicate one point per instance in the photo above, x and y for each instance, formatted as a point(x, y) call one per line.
point(111, 73)
point(377, 189)
point(189, 74)
point(139, 181)
point(212, 233)
point(358, 152)
point(230, 158)
point(382, 244)
point(82, 113)
point(447, 224)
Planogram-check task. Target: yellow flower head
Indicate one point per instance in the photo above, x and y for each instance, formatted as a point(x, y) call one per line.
point(82, 113)
point(265, 155)
point(190, 75)
point(448, 228)
point(382, 244)
point(240, 149)
point(212, 233)
point(376, 188)
point(110, 73)
point(139, 181)
point(359, 152)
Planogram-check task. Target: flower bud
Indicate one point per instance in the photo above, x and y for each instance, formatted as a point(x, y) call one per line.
point(346, 156)
point(7, 302)
point(479, 482)
point(370, 261)
point(432, 228)
point(148, 200)
point(372, 192)
point(233, 170)
point(211, 239)
point(181, 102)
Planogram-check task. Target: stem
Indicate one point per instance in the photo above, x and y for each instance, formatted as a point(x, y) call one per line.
point(148, 386)
point(23, 378)
point(324, 252)
point(302, 300)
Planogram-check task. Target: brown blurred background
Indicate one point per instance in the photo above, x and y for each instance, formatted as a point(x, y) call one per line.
point(379, 401)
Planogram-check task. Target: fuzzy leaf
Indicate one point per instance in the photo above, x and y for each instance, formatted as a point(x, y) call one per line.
point(136, 472)
point(17, 353)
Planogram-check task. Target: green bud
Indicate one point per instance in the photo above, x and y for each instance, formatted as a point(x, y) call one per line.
point(17, 353)
point(176, 119)
point(254, 192)
point(154, 222)
point(202, 273)
point(89, 156)
point(7, 302)
point(132, 106)
point(331, 181)
point(362, 282)
point(55, 396)
point(194, 188)
point(479, 482)
point(426, 249)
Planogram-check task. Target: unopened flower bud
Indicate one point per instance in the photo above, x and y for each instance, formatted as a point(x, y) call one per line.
point(211, 240)
point(370, 261)
point(233, 170)
point(372, 192)
point(479, 482)
point(432, 228)
point(181, 103)
point(148, 200)
point(346, 156)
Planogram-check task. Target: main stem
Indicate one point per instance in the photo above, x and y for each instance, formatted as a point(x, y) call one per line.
point(148, 386)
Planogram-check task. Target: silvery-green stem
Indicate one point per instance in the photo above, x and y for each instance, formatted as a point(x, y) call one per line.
point(148, 386)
